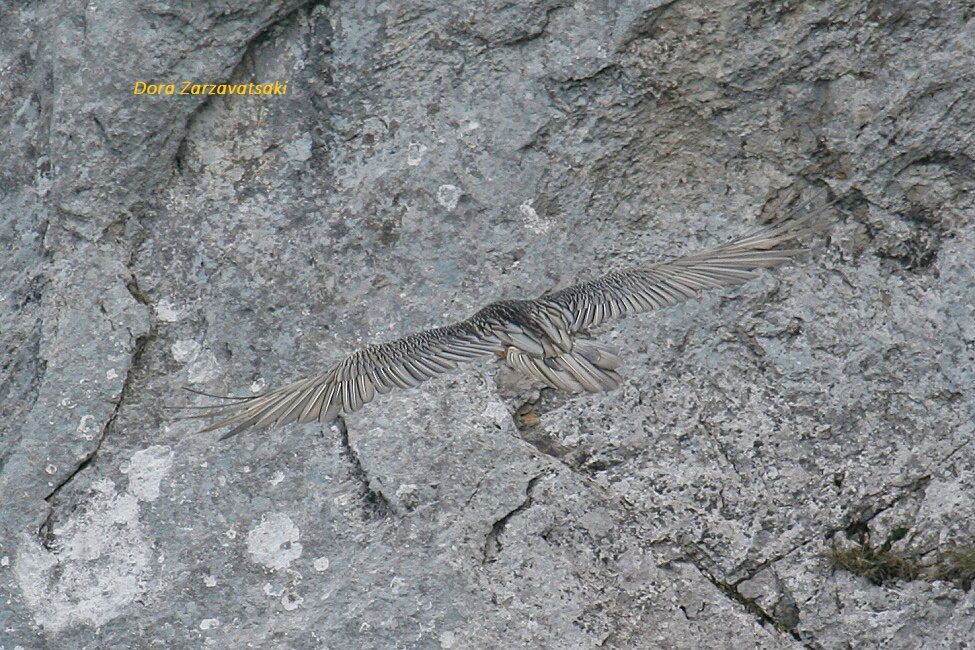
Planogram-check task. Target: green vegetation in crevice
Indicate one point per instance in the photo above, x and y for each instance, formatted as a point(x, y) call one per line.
point(882, 566)
point(958, 566)
point(875, 564)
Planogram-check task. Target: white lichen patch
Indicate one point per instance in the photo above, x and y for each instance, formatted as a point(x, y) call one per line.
point(87, 427)
point(448, 196)
point(299, 150)
point(291, 602)
point(321, 564)
point(274, 541)
point(97, 564)
point(406, 489)
point(533, 222)
point(185, 350)
point(448, 640)
point(166, 311)
point(146, 470)
point(414, 153)
point(496, 411)
point(203, 368)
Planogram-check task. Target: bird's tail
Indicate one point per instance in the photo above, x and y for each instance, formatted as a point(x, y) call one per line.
point(589, 366)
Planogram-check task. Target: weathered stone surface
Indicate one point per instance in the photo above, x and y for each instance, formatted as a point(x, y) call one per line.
point(427, 159)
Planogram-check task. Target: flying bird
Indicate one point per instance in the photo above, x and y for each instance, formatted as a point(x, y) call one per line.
point(546, 339)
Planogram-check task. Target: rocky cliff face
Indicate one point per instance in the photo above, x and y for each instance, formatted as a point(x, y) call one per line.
point(786, 465)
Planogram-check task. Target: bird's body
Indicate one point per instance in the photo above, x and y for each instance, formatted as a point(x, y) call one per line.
point(545, 338)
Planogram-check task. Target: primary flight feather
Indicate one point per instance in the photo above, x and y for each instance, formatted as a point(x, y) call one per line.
point(544, 338)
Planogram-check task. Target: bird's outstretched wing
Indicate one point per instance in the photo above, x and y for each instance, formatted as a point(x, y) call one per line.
point(354, 381)
point(632, 291)
point(537, 337)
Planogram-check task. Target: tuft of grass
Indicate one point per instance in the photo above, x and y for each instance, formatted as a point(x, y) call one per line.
point(897, 534)
point(877, 565)
point(882, 567)
point(957, 565)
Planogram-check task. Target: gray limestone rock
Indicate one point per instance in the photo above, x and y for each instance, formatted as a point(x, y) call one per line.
point(427, 159)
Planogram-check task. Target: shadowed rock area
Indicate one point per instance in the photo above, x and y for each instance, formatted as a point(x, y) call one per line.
point(428, 158)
